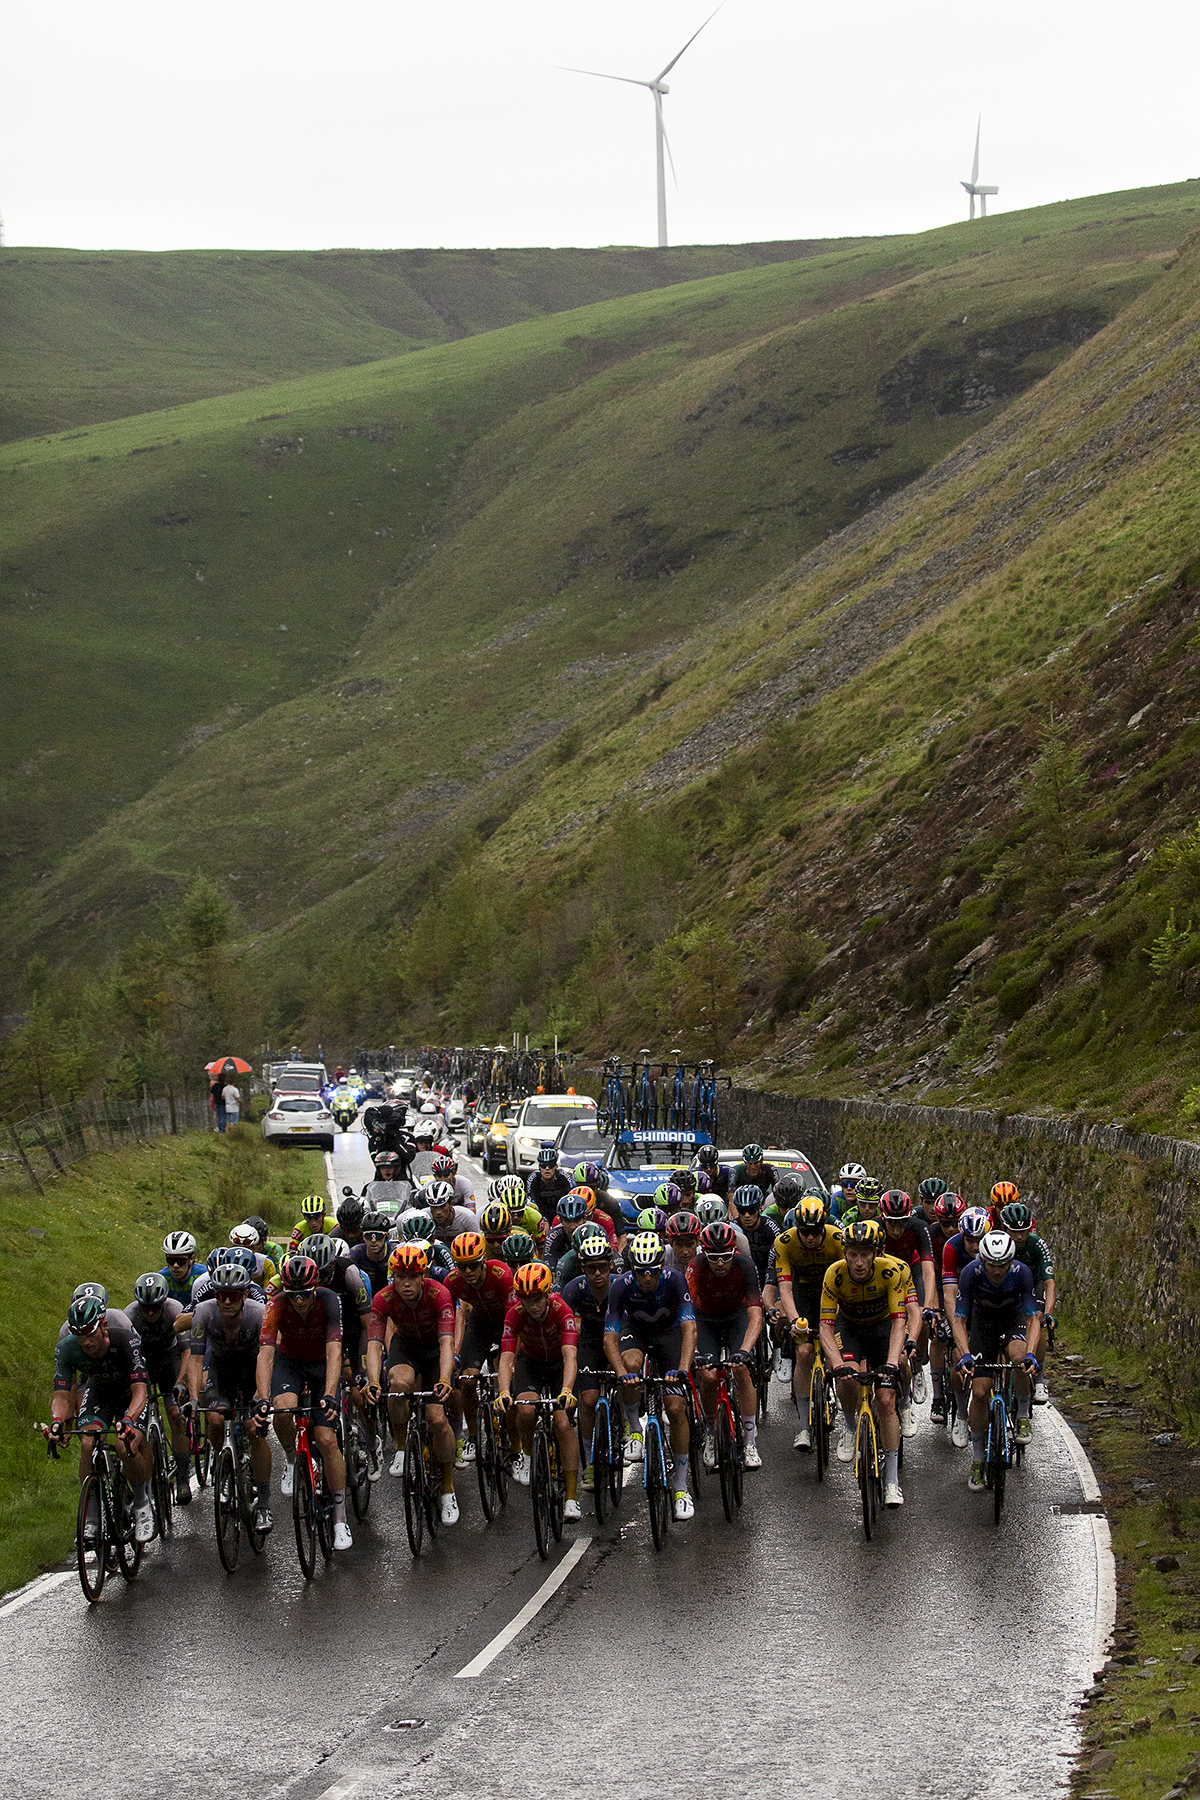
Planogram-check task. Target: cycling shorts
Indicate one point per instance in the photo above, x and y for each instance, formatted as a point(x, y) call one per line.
point(665, 1349)
point(291, 1377)
point(592, 1360)
point(865, 1343)
point(480, 1344)
point(530, 1377)
point(104, 1402)
point(807, 1301)
point(720, 1331)
point(231, 1381)
point(987, 1341)
point(162, 1367)
point(425, 1360)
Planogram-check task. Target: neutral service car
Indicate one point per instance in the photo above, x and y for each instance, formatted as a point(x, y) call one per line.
point(496, 1138)
point(300, 1118)
point(786, 1162)
point(581, 1140)
point(539, 1120)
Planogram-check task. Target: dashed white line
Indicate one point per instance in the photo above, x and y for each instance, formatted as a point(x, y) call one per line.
point(530, 1610)
point(1106, 1568)
point(35, 1590)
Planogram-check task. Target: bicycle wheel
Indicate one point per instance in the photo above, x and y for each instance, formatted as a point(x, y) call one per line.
point(658, 1498)
point(304, 1517)
point(414, 1491)
point(818, 1419)
point(160, 1484)
point(245, 1473)
point(558, 1491)
point(864, 1469)
point(601, 1468)
point(739, 1458)
point(129, 1551)
point(227, 1510)
point(762, 1377)
point(91, 1572)
point(485, 1460)
point(358, 1469)
point(202, 1456)
point(723, 1444)
point(695, 1444)
point(616, 1456)
point(433, 1484)
point(997, 1454)
point(540, 1493)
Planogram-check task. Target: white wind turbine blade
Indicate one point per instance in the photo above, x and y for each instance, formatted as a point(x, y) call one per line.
point(975, 164)
point(601, 76)
point(712, 15)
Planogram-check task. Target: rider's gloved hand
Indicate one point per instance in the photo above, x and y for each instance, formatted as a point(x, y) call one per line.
point(441, 1392)
point(566, 1399)
point(965, 1364)
point(1030, 1364)
point(503, 1402)
point(327, 1408)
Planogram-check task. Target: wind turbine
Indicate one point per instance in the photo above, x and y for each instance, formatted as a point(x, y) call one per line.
point(973, 188)
point(658, 88)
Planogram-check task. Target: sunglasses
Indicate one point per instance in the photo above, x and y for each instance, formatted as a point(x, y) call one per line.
point(375, 1237)
point(179, 1262)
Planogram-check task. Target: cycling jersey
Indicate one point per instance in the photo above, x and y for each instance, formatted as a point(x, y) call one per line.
point(489, 1302)
point(762, 1241)
point(955, 1257)
point(646, 1315)
point(913, 1245)
point(590, 1309)
point(991, 1305)
point(1036, 1257)
point(546, 1194)
point(429, 1318)
point(302, 1340)
point(873, 1302)
point(542, 1340)
point(373, 1269)
point(804, 1261)
point(306, 1227)
point(121, 1366)
point(714, 1294)
point(765, 1179)
point(181, 1289)
point(157, 1335)
point(207, 1336)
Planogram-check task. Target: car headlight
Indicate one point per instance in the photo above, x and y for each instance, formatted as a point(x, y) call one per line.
point(526, 1142)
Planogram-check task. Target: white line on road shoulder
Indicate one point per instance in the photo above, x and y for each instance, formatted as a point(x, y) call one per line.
point(530, 1610)
point(35, 1590)
point(1106, 1568)
point(331, 1184)
point(341, 1789)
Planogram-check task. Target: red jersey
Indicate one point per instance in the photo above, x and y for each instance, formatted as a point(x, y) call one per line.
point(303, 1339)
point(431, 1318)
point(492, 1300)
point(541, 1339)
point(715, 1295)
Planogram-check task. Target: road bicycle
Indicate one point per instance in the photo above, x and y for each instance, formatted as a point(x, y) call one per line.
point(706, 1112)
point(644, 1089)
point(105, 1540)
point(954, 1399)
point(657, 1456)
point(613, 1113)
point(199, 1448)
point(1002, 1448)
point(821, 1401)
point(729, 1437)
point(359, 1441)
point(677, 1106)
point(491, 1454)
point(762, 1361)
point(547, 1479)
point(608, 1448)
point(421, 1484)
point(868, 1456)
point(162, 1488)
point(233, 1492)
point(312, 1503)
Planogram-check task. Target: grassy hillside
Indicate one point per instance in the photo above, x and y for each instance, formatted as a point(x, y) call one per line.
point(479, 550)
point(99, 334)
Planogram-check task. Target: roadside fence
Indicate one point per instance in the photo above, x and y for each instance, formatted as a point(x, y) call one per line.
point(43, 1146)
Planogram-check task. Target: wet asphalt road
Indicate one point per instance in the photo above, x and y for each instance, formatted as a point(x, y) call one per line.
point(783, 1654)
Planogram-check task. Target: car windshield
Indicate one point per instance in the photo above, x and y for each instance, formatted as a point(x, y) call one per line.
point(304, 1106)
point(584, 1143)
point(551, 1112)
point(300, 1084)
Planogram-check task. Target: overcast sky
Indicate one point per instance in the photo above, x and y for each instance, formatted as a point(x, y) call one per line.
point(424, 122)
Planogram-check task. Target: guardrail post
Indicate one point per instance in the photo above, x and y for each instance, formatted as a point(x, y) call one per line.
point(20, 1150)
point(44, 1142)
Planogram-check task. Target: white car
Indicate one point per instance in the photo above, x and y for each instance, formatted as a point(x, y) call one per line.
point(301, 1118)
point(539, 1120)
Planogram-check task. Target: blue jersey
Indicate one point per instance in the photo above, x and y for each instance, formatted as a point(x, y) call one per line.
point(182, 1290)
point(981, 1302)
point(588, 1309)
point(647, 1315)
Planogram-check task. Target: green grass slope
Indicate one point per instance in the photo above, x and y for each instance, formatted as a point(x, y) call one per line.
point(100, 334)
point(477, 549)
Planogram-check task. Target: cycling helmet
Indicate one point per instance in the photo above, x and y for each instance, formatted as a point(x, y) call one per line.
point(862, 1234)
point(997, 1247)
point(416, 1227)
point(321, 1249)
point(260, 1225)
point(547, 1157)
point(439, 1193)
point(179, 1243)
point(84, 1315)
point(718, 1240)
point(1005, 1193)
point(703, 1182)
point(711, 1209)
point(685, 1181)
point(974, 1222)
point(341, 1249)
point(350, 1214)
point(244, 1235)
point(706, 1156)
point(868, 1189)
point(645, 1250)
point(668, 1195)
point(313, 1206)
point(932, 1188)
point(850, 1174)
point(386, 1161)
point(518, 1249)
point(752, 1153)
point(150, 1290)
point(494, 1219)
point(572, 1209)
point(948, 1210)
point(652, 1218)
point(445, 1168)
point(408, 1259)
point(221, 1254)
point(896, 1204)
point(469, 1247)
point(585, 1194)
point(91, 1290)
point(593, 1247)
point(811, 1214)
point(591, 1175)
point(298, 1274)
point(788, 1191)
point(533, 1278)
point(748, 1198)
point(231, 1278)
point(682, 1224)
point(375, 1221)
point(514, 1188)
point(241, 1258)
point(1017, 1216)
point(497, 1188)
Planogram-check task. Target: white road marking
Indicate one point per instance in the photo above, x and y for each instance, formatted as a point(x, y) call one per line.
point(35, 1590)
point(330, 1177)
point(1106, 1568)
point(530, 1610)
point(341, 1789)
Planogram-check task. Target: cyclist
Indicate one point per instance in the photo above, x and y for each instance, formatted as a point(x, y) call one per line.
point(946, 1210)
point(106, 1362)
point(995, 1312)
point(802, 1255)
point(929, 1192)
point(907, 1236)
point(152, 1316)
point(266, 1244)
point(650, 1313)
point(548, 1184)
point(223, 1342)
point(862, 1302)
point(245, 1237)
point(518, 1249)
point(754, 1171)
point(445, 1168)
point(574, 1209)
point(843, 1190)
point(1004, 1193)
point(710, 1209)
point(568, 1266)
point(350, 1215)
point(1017, 1219)
point(961, 1248)
point(587, 1296)
point(420, 1357)
point(727, 1300)
point(708, 1163)
point(539, 1355)
point(481, 1288)
point(354, 1292)
point(449, 1219)
point(181, 1271)
point(493, 1222)
point(299, 1349)
point(370, 1257)
point(523, 1215)
point(591, 1175)
point(312, 1221)
point(746, 1209)
point(683, 1240)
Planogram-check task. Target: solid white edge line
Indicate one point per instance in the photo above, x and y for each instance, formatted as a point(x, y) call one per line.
point(532, 1607)
point(36, 1588)
point(331, 1184)
point(341, 1789)
point(1106, 1568)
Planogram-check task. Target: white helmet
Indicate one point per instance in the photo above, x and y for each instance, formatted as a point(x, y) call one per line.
point(180, 1243)
point(244, 1234)
point(852, 1172)
point(997, 1247)
point(438, 1193)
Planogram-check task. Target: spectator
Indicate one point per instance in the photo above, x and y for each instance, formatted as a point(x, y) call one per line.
point(216, 1099)
point(232, 1097)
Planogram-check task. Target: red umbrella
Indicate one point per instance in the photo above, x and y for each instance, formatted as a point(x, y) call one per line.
point(243, 1068)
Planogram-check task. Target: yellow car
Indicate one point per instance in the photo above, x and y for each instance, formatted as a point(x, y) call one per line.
point(495, 1143)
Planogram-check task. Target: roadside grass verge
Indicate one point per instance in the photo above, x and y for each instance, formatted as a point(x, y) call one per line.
point(105, 1221)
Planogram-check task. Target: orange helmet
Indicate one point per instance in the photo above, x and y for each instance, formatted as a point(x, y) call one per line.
point(469, 1247)
point(533, 1278)
point(1005, 1194)
point(408, 1259)
point(588, 1197)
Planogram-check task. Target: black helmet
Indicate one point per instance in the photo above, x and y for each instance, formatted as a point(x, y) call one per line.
point(351, 1214)
point(84, 1315)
